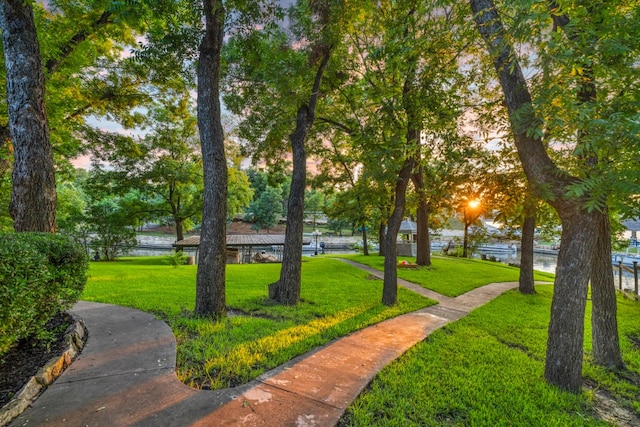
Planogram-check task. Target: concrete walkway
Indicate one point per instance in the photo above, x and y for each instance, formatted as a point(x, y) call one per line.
point(125, 374)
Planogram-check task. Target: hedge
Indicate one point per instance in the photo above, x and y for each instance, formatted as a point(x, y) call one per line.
point(41, 274)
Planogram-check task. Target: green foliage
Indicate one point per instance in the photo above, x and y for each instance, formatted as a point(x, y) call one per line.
point(41, 275)
point(113, 228)
point(164, 168)
point(266, 211)
point(487, 369)
point(240, 192)
point(259, 336)
point(176, 259)
point(337, 225)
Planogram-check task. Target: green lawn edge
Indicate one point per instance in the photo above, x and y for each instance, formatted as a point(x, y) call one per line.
point(336, 299)
point(451, 276)
point(487, 369)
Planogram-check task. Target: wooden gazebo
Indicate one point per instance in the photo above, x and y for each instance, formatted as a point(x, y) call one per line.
point(240, 247)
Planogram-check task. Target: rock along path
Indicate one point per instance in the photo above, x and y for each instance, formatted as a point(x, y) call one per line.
point(125, 375)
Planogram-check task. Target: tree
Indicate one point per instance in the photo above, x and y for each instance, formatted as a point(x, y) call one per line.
point(337, 225)
point(606, 347)
point(275, 83)
point(239, 193)
point(33, 199)
point(164, 166)
point(411, 81)
point(577, 196)
point(87, 72)
point(112, 227)
point(210, 285)
point(266, 211)
point(314, 201)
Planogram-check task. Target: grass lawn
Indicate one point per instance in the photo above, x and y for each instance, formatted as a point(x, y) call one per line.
point(487, 370)
point(452, 276)
point(336, 300)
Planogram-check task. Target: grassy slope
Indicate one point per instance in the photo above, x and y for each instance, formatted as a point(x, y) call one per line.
point(487, 369)
point(452, 276)
point(336, 300)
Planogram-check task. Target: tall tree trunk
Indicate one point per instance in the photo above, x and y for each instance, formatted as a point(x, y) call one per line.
point(423, 244)
point(180, 228)
point(211, 276)
point(365, 241)
point(563, 365)
point(526, 283)
point(381, 239)
point(390, 286)
point(465, 238)
point(604, 322)
point(33, 199)
point(606, 346)
point(287, 289)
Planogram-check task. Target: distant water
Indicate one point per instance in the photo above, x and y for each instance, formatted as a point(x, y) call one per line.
point(541, 262)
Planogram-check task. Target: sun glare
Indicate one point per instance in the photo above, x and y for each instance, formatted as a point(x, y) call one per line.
point(474, 203)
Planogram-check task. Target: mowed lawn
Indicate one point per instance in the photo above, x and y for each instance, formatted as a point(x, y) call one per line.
point(258, 335)
point(487, 369)
point(483, 370)
point(452, 276)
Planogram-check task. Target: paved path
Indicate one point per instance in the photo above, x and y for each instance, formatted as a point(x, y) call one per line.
point(125, 374)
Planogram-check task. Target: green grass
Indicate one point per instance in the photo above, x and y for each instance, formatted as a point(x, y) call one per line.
point(452, 276)
point(336, 300)
point(487, 369)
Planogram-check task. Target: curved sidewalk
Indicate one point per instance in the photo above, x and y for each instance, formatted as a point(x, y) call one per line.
point(125, 374)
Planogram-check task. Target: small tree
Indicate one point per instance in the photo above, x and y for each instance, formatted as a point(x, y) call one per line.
point(265, 212)
point(338, 225)
point(112, 228)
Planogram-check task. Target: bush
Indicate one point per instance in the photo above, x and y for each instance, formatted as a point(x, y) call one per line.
point(41, 275)
point(176, 258)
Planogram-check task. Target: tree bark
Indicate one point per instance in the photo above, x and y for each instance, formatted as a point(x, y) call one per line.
point(33, 198)
point(526, 284)
point(423, 244)
point(381, 239)
point(211, 275)
point(390, 286)
point(287, 289)
point(365, 241)
point(604, 323)
point(179, 228)
point(465, 241)
point(563, 366)
point(606, 346)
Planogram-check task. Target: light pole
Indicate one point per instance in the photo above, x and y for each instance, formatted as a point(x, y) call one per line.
point(316, 233)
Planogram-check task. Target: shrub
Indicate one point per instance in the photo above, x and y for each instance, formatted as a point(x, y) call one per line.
point(176, 258)
point(41, 275)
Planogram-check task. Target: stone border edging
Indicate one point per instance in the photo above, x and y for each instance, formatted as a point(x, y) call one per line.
point(74, 337)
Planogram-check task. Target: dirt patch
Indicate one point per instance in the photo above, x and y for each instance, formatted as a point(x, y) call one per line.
point(635, 340)
point(608, 409)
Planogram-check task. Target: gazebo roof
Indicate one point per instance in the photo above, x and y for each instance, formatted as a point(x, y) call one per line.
point(632, 224)
point(238, 240)
point(408, 227)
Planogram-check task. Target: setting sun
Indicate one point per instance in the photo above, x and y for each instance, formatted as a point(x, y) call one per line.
point(474, 203)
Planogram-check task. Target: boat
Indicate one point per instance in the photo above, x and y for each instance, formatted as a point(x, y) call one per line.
point(498, 247)
point(627, 259)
